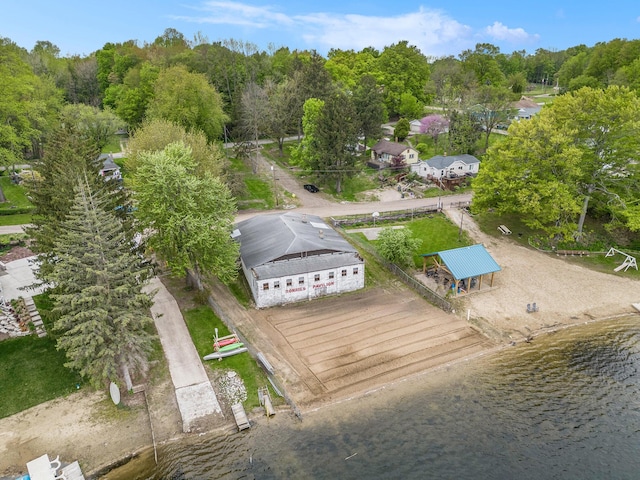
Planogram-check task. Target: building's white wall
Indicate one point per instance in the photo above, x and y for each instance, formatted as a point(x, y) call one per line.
point(305, 286)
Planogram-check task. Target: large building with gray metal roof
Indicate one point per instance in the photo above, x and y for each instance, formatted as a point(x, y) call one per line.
point(291, 257)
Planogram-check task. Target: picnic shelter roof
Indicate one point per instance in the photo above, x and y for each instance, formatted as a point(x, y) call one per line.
point(467, 262)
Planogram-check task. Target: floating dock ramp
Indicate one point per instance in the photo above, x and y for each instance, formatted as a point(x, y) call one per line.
point(241, 417)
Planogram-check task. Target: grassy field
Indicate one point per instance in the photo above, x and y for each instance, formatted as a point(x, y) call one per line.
point(202, 322)
point(17, 219)
point(15, 194)
point(436, 232)
point(32, 371)
point(600, 242)
point(258, 189)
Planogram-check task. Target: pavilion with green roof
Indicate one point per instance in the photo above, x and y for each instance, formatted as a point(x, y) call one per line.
point(464, 264)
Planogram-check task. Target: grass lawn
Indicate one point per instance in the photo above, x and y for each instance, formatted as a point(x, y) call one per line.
point(489, 223)
point(201, 322)
point(32, 371)
point(17, 219)
point(258, 192)
point(15, 194)
point(436, 232)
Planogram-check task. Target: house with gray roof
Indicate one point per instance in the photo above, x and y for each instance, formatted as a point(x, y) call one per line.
point(385, 151)
point(109, 168)
point(291, 257)
point(443, 166)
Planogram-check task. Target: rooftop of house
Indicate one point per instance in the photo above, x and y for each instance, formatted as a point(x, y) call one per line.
point(269, 238)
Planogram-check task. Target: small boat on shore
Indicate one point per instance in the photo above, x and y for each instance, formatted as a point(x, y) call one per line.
point(231, 346)
point(227, 353)
point(226, 341)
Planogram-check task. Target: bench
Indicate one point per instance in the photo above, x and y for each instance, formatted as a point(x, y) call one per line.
point(504, 230)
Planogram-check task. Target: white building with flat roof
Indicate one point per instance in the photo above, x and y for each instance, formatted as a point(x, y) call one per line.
point(291, 257)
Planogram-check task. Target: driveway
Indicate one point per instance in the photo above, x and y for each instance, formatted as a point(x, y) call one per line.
point(195, 395)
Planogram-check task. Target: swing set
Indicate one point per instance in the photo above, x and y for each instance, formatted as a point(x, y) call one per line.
point(629, 261)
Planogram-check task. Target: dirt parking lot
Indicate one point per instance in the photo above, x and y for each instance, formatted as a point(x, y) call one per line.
point(338, 347)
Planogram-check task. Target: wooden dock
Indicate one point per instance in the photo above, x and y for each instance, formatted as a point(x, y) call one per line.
point(241, 417)
point(265, 401)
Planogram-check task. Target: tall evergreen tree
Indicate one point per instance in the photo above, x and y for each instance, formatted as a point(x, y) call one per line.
point(103, 314)
point(335, 138)
point(369, 105)
point(69, 156)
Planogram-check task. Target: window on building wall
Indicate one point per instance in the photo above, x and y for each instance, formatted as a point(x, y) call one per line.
point(331, 275)
point(300, 280)
point(316, 277)
point(276, 284)
point(344, 272)
point(411, 155)
point(265, 286)
point(355, 270)
point(289, 282)
point(460, 167)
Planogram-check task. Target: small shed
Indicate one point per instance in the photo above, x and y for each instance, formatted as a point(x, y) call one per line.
point(467, 266)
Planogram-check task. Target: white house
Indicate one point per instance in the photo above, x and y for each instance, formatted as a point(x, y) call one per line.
point(415, 126)
point(447, 166)
point(109, 168)
point(292, 257)
point(385, 151)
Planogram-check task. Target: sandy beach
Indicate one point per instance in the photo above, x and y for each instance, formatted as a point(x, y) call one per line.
point(89, 428)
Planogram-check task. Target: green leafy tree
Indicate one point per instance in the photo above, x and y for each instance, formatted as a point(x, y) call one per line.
point(410, 107)
point(402, 129)
point(450, 85)
point(531, 173)
point(130, 99)
point(304, 153)
point(189, 100)
point(575, 156)
point(154, 135)
point(464, 132)
point(482, 61)
point(103, 314)
point(607, 132)
point(189, 216)
point(493, 107)
point(397, 245)
point(403, 69)
point(95, 124)
point(28, 106)
point(282, 115)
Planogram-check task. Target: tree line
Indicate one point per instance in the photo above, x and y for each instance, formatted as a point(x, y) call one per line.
point(180, 98)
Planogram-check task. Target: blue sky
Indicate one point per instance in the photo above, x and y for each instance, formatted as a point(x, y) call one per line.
point(437, 28)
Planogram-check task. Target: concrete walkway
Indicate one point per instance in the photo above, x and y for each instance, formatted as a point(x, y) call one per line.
point(18, 275)
point(195, 395)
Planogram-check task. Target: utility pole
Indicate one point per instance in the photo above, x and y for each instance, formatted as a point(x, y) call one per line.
point(275, 187)
point(460, 231)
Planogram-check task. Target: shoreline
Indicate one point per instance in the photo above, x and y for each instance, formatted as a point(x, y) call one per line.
point(98, 465)
point(320, 405)
point(111, 440)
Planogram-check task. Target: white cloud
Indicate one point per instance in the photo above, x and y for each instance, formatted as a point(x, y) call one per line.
point(236, 13)
point(430, 30)
point(433, 31)
point(498, 31)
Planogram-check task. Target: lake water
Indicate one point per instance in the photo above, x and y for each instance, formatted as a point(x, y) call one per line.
point(566, 406)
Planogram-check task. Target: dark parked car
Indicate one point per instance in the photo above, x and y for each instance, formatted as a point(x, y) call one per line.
point(311, 188)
